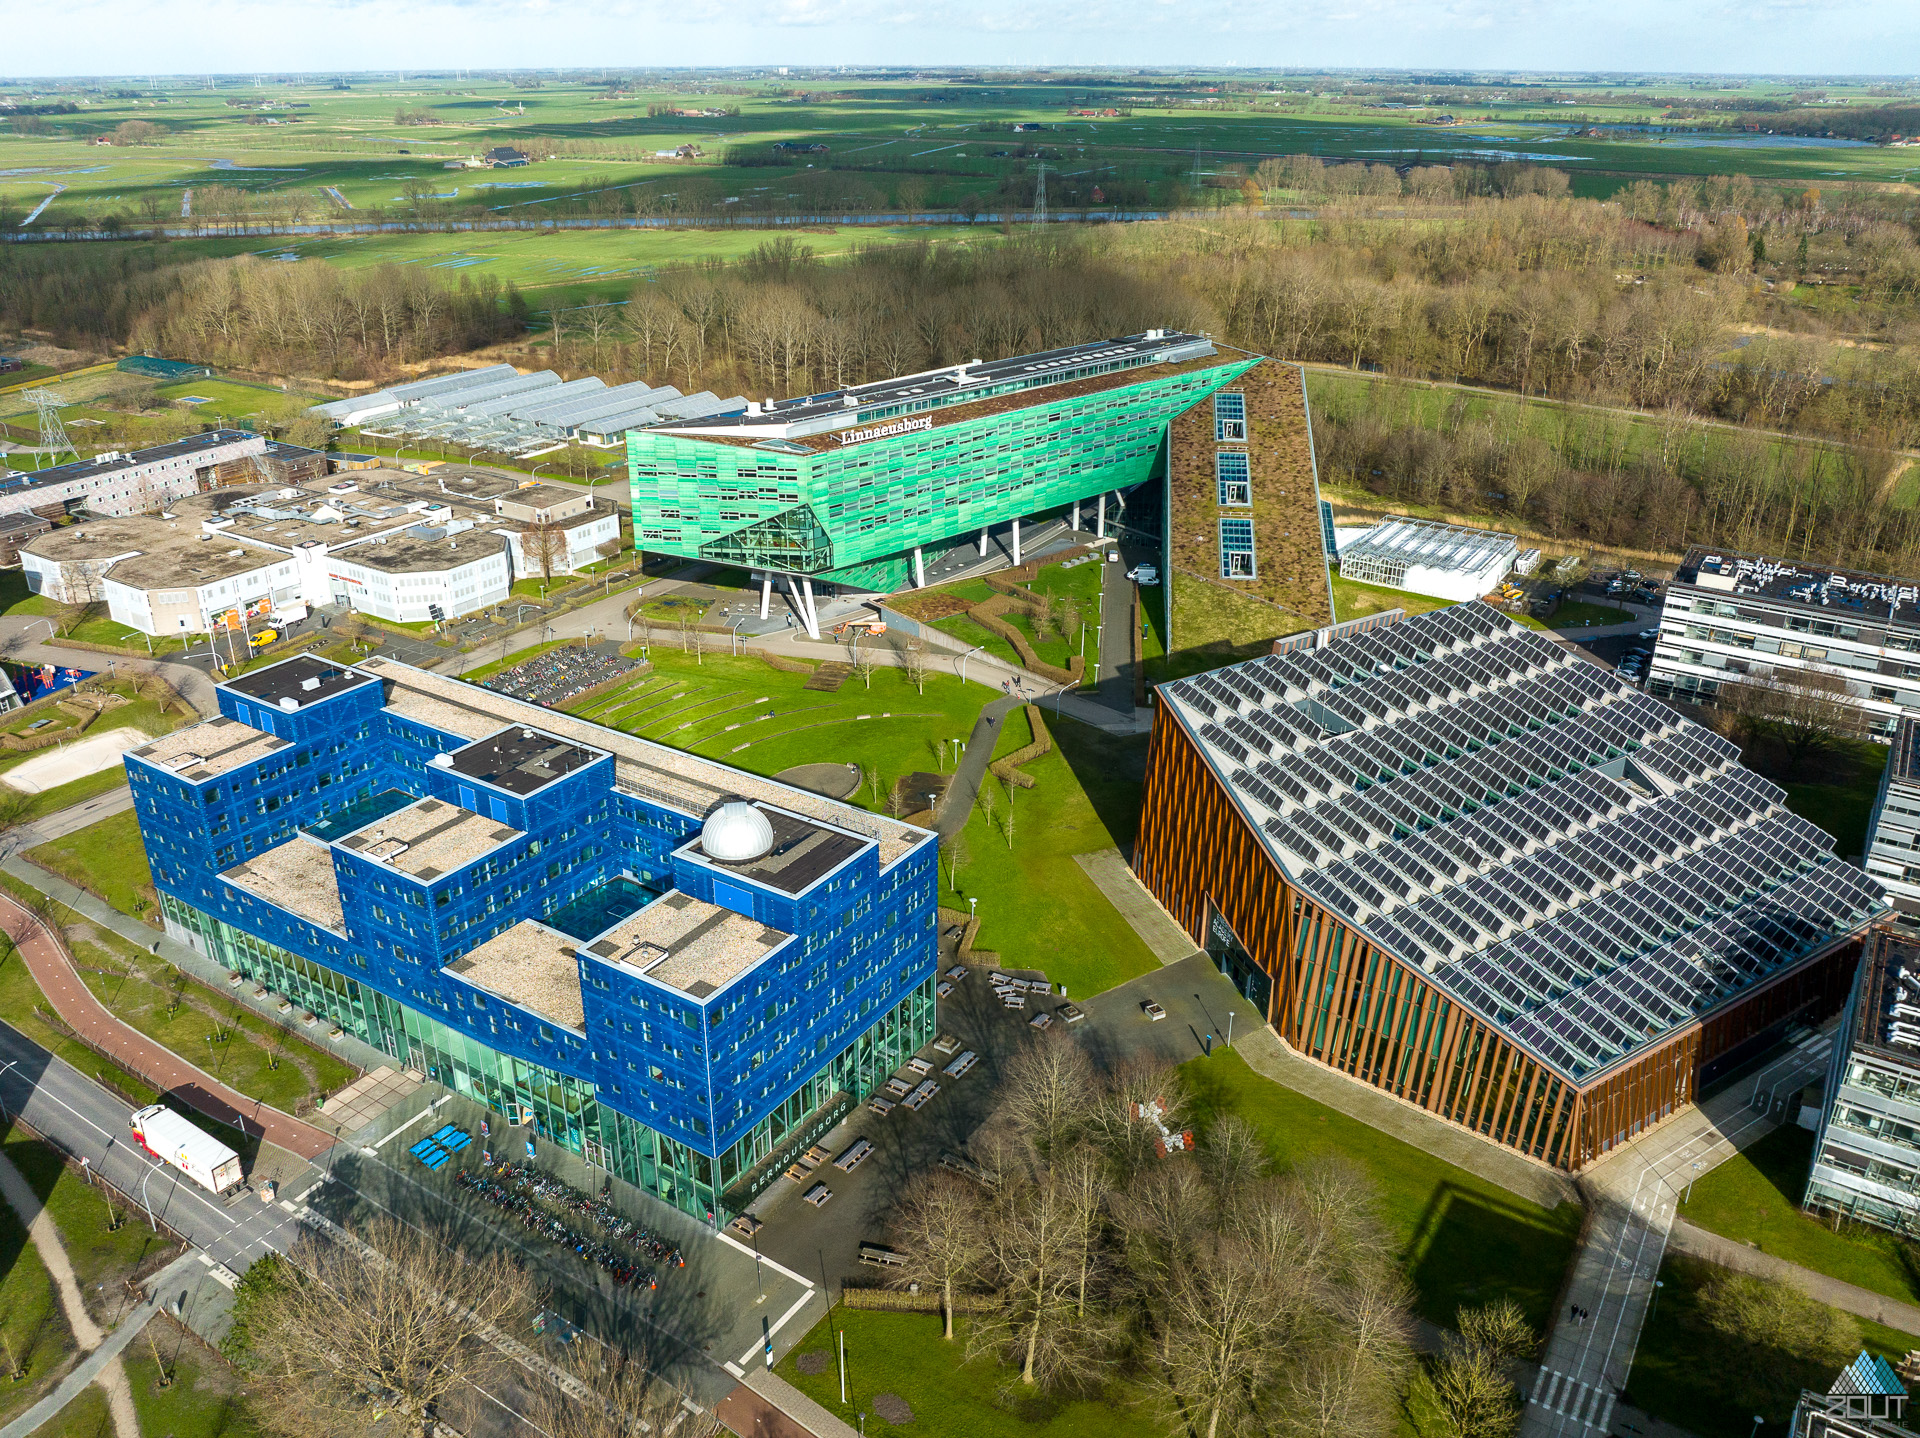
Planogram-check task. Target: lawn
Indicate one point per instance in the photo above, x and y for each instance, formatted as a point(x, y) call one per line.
point(25, 1007)
point(904, 1354)
point(104, 1243)
point(87, 1416)
point(1463, 1240)
point(142, 714)
point(1676, 1376)
point(1075, 590)
point(1353, 600)
point(203, 1401)
point(1578, 614)
point(30, 1320)
point(1755, 1197)
point(1837, 791)
point(1038, 909)
point(106, 859)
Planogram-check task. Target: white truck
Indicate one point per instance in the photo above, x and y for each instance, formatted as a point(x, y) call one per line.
point(200, 1156)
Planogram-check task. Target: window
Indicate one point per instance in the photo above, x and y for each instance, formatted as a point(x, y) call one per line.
point(1236, 487)
point(1236, 549)
point(1230, 418)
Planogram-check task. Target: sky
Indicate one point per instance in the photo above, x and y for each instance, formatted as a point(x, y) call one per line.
point(185, 37)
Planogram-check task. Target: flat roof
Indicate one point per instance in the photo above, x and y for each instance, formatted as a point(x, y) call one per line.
point(803, 852)
point(532, 966)
point(93, 468)
point(1889, 994)
point(1432, 545)
point(304, 678)
point(521, 760)
point(209, 749)
point(955, 384)
point(428, 839)
point(539, 496)
point(681, 781)
point(1567, 857)
point(1810, 586)
point(298, 876)
point(687, 944)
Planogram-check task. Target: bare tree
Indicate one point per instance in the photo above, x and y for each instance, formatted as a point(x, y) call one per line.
point(988, 805)
point(1049, 1096)
point(941, 1231)
point(613, 1395)
point(351, 1335)
point(1471, 1381)
point(954, 850)
point(862, 658)
point(1007, 823)
point(913, 663)
point(1036, 1235)
point(544, 545)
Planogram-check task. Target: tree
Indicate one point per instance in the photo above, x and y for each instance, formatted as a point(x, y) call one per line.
point(1471, 1379)
point(543, 544)
point(913, 663)
point(1804, 711)
point(862, 658)
point(954, 850)
point(617, 1396)
point(344, 1334)
point(1771, 1335)
point(135, 132)
point(941, 1230)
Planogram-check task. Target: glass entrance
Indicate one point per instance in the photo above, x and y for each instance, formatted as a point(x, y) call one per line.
point(1233, 960)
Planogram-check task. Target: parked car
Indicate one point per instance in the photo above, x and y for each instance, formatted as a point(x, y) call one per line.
point(1151, 1008)
point(1648, 634)
point(1113, 556)
point(1144, 574)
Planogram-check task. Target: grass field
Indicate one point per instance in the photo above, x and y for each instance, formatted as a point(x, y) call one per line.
point(1037, 907)
point(107, 859)
point(1754, 1197)
point(1463, 1240)
point(1680, 1372)
point(1838, 792)
point(30, 1320)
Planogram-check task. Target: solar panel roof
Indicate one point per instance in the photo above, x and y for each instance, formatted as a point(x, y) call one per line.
point(1558, 851)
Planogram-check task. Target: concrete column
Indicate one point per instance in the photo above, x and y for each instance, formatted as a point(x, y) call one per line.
point(983, 543)
point(919, 569)
point(766, 594)
point(808, 612)
point(1076, 516)
point(1016, 544)
point(1100, 519)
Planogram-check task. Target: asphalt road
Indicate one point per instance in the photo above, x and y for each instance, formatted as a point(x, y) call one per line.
point(91, 1124)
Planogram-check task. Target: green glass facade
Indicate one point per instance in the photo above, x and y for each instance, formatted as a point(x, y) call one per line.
point(563, 1109)
point(853, 513)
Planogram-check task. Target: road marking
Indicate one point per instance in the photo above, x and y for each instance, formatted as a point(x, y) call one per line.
point(784, 1272)
point(778, 1324)
point(426, 1112)
point(301, 1198)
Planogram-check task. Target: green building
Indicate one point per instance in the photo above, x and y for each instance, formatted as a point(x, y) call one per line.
point(856, 487)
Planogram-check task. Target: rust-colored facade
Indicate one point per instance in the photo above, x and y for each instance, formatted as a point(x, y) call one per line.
point(1344, 1002)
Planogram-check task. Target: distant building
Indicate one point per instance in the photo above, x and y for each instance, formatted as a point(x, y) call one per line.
point(11, 363)
point(15, 530)
point(505, 157)
point(1866, 1154)
point(1730, 618)
point(345, 461)
point(1441, 560)
point(138, 483)
point(292, 464)
point(1893, 834)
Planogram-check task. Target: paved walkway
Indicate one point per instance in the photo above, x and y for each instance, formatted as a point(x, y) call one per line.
point(52, 968)
point(1633, 1195)
point(1699, 1243)
point(194, 684)
point(956, 801)
point(790, 1403)
point(1158, 930)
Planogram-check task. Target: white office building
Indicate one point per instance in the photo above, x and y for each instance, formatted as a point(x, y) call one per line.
point(1893, 835)
point(1423, 557)
point(136, 483)
point(1733, 618)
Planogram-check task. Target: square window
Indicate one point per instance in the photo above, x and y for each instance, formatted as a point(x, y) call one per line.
point(1236, 549)
point(1230, 418)
point(1236, 485)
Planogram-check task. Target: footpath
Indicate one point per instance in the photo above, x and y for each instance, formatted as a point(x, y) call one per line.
point(52, 968)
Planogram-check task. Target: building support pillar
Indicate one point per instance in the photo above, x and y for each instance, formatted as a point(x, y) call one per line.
point(766, 593)
point(1016, 544)
point(983, 542)
point(919, 569)
point(809, 613)
point(1076, 516)
point(1100, 517)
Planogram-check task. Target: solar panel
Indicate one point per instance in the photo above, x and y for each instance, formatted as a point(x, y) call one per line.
point(1240, 684)
point(1247, 734)
point(1224, 742)
point(1260, 793)
point(1289, 837)
point(1190, 694)
point(1284, 782)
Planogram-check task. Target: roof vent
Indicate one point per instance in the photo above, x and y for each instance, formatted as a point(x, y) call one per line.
point(443, 761)
point(309, 683)
point(289, 705)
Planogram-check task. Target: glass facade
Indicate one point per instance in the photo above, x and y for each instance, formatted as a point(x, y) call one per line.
point(850, 513)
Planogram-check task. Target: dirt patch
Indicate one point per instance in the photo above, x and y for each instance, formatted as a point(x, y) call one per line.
point(930, 606)
point(892, 1408)
point(813, 1364)
point(81, 934)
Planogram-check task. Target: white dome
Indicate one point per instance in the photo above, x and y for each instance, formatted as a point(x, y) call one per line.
point(736, 832)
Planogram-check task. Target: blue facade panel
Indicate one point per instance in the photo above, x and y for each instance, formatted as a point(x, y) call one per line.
point(306, 790)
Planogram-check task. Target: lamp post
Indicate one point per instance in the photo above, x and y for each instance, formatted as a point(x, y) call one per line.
point(733, 634)
point(1229, 1028)
point(962, 664)
point(1757, 1421)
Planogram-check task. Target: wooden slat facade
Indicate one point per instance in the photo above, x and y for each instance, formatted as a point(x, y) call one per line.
point(1345, 1003)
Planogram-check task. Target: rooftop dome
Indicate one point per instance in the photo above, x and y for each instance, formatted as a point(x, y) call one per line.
point(736, 832)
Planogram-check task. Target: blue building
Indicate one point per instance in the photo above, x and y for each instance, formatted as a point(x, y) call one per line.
point(682, 972)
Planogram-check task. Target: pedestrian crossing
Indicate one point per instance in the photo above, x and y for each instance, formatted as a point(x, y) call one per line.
point(1587, 1404)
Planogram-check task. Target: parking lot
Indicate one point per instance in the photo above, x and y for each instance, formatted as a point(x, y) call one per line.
point(824, 1241)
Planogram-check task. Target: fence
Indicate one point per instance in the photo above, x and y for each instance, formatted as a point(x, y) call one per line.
point(899, 1300)
point(1320, 638)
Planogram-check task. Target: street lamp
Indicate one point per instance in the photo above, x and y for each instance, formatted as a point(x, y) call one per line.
point(1757, 1421)
point(733, 633)
point(962, 664)
point(1229, 1028)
